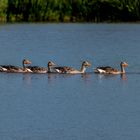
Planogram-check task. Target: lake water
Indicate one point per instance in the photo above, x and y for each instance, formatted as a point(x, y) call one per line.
point(70, 107)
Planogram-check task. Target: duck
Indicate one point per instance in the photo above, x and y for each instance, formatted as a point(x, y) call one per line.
point(110, 70)
point(38, 69)
point(70, 70)
point(12, 68)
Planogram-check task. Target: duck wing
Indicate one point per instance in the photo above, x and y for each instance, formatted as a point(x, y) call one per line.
point(36, 68)
point(2, 69)
point(64, 69)
point(105, 69)
point(10, 68)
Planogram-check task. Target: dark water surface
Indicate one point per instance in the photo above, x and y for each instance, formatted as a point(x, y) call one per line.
point(70, 107)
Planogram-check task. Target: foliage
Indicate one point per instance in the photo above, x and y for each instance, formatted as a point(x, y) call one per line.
point(3, 8)
point(70, 10)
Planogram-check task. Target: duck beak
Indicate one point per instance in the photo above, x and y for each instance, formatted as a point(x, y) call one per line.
point(88, 64)
point(53, 64)
point(26, 62)
point(125, 64)
point(29, 62)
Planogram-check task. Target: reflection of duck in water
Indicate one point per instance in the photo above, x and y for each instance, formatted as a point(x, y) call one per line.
point(71, 70)
point(110, 70)
point(123, 76)
point(38, 69)
point(11, 68)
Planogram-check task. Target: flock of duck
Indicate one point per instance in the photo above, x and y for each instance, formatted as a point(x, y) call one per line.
point(53, 68)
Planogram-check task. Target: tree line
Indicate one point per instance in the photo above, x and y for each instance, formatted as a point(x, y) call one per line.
point(69, 10)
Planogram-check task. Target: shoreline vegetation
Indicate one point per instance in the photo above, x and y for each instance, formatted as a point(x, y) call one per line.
point(70, 11)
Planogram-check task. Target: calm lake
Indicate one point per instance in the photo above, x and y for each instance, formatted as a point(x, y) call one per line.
point(64, 106)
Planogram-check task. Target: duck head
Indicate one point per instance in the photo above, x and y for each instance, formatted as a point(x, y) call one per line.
point(124, 64)
point(25, 62)
point(51, 64)
point(86, 64)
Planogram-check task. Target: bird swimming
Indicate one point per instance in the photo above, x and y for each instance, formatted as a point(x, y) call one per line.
point(12, 68)
point(70, 70)
point(38, 69)
point(110, 70)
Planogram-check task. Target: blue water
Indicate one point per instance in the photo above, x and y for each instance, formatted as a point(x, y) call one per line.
point(70, 107)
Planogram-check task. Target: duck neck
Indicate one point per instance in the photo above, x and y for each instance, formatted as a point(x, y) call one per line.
point(83, 69)
point(122, 69)
point(49, 69)
point(23, 65)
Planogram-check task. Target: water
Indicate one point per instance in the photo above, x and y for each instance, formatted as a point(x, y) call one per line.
point(70, 107)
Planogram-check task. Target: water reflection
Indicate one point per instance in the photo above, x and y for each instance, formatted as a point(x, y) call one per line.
point(27, 78)
point(123, 77)
point(135, 73)
point(111, 76)
point(86, 77)
point(51, 77)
